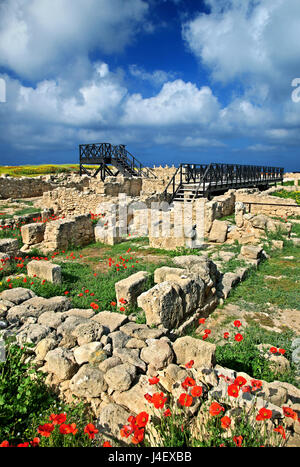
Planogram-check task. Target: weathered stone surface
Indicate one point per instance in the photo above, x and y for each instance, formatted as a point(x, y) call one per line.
point(120, 378)
point(88, 332)
point(33, 233)
point(32, 333)
point(160, 274)
point(119, 339)
point(187, 348)
point(110, 321)
point(229, 280)
point(163, 304)
point(159, 354)
point(134, 399)
point(17, 295)
point(251, 251)
point(79, 313)
point(9, 245)
point(45, 270)
point(135, 344)
point(70, 324)
point(111, 419)
point(109, 363)
point(61, 362)
point(85, 353)
point(44, 346)
point(218, 232)
point(171, 375)
point(130, 356)
point(51, 319)
point(141, 331)
point(88, 382)
point(131, 287)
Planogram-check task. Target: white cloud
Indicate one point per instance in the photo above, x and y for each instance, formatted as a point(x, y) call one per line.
point(177, 103)
point(37, 37)
point(156, 78)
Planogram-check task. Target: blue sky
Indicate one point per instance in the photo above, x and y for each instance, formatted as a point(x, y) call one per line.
point(174, 80)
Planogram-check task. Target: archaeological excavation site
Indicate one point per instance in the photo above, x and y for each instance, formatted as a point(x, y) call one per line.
point(150, 306)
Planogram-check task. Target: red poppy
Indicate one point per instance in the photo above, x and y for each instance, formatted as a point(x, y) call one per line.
point(106, 444)
point(186, 400)
point(23, 445)
point(126, 431)
point(264, 414)
point(167, 413)
point(225, 422)
point(68, 429)
point(113, 303)
point(201, 320)
point(188, 382)
point(4, 444)
point(273, 350)
point(153, 380)
point(226, 335)
point(288, 412)
point(215, 409)
point(46, 429)
point(204, 337)
point(233, 390)
point(189, 364)
point(246, 388)
point(240, 381)
point(122, 308)
point(196, 391)
point(237, 323)
point(138, 436)
point(282, 351)
point(142, 419)
point(35, 442)
point(207, 331)
point(238, 337)
point(58, 419)
point(148, 397)
point(256, 384)
point(238, 440)
point(280, 430)
point(158, 400)
point(90, 430)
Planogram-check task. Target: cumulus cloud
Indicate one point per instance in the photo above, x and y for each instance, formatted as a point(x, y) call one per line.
point(156, 78)
point(38, 37)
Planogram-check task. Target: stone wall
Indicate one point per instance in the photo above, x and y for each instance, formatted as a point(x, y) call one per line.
point(31, 187)
point(274, 206)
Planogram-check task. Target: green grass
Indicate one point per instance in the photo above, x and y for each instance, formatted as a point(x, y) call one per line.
point(295, 195)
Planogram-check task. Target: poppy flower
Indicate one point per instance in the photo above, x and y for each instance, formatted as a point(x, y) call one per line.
point(122, 308)
point(188, 382)
point(204, 337)
point(215, 409)
point(23, 445)
point(280, 430)
point(158, 400)
point(167, 413)
point(240, 381)
point(264, 414)
point(201, 320)
point(68, 429)
point(238, 337)
point(207, 331)
point(288, 412)
point(58, 419)
point(35, 442)
point(106, 444)
point(148, 397)
point(4, 444)
point(126, 431)
point(113, 303)
point(185, 400)
point(237, 323)
point(256, 384)
point(226, 335)
point(46, 429)
point(273, 350)
point(225, 422)
point(189, 364)
point(90, 430)
point(238, 440)
point(138, 436)
point(196, 391)
point(142, 419)
point(153, 380)
point(233, 390)
point(281, 351)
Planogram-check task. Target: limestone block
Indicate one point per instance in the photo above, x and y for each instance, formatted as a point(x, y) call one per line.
point(45, 270)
